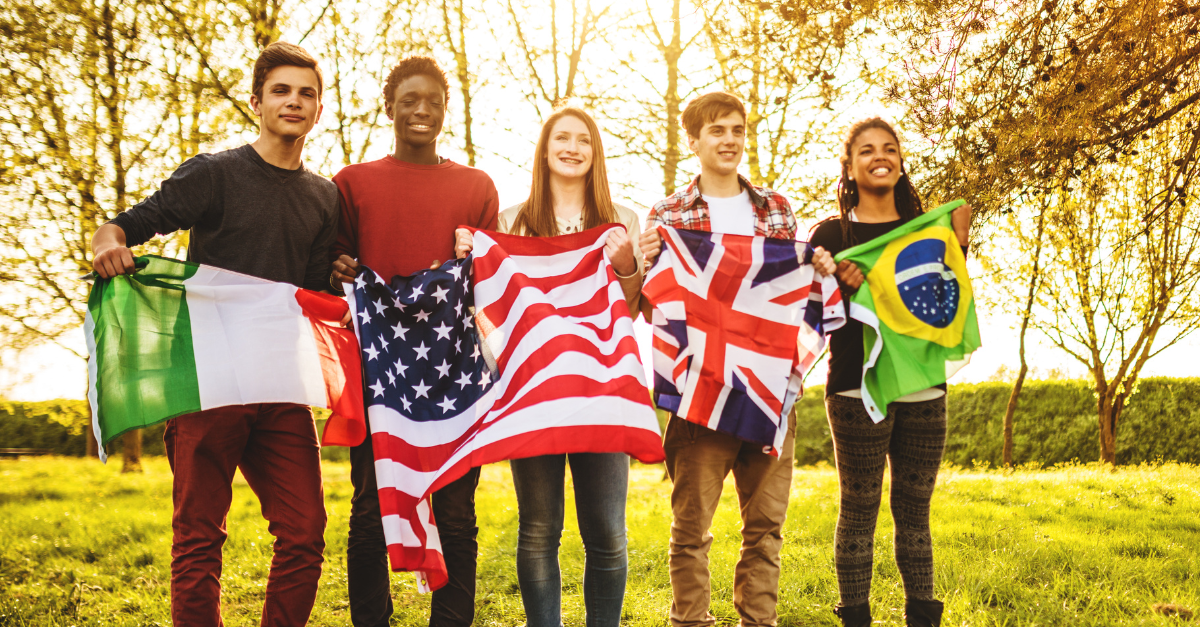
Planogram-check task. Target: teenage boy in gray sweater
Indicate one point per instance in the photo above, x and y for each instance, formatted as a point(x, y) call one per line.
point(256, 210)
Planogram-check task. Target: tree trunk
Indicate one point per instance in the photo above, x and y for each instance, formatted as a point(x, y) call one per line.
point(265, 16)
point(91, 448)
point(458, 47)
point(754, 108)
point(1012, 405)
point(1108, 413)
point(671, 55)
point(131, 451)
point(1013, 398)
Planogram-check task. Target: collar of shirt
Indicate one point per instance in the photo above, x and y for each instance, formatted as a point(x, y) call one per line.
point(573, 224)
point(693, 198)
point(688, 210)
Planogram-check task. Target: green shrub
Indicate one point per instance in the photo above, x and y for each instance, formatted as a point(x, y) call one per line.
point(1055, 422)
point(58, 426)
point(61, 426)
point(813, 442)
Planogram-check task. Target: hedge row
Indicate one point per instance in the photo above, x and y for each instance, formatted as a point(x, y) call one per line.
point(1056, 422)
point(61, 427)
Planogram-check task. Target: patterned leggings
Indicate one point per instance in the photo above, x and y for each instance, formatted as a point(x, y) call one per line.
point(911, 437)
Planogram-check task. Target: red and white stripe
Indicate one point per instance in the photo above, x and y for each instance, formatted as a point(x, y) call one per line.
point(553, 315)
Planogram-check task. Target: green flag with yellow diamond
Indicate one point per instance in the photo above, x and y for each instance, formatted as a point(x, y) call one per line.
point(916, 306)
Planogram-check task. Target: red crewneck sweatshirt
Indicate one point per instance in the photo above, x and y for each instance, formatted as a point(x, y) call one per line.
point(398, 218)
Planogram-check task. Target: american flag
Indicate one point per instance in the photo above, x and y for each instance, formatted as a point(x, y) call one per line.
point(737, 321)
point(564, 377)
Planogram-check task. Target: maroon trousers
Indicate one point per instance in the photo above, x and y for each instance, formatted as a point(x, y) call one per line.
point(276, 447)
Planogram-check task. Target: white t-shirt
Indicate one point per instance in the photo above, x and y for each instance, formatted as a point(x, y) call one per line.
point(733, 215)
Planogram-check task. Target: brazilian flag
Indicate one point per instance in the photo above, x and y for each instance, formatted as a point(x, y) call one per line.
point(917, 308)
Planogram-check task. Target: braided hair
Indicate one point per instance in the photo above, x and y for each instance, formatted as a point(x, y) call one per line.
point(908, 201)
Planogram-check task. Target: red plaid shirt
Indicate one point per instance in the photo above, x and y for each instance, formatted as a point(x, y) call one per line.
point(687, 210)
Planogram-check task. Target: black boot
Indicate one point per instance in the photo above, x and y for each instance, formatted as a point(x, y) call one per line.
point(923, 613)
point(854, 616)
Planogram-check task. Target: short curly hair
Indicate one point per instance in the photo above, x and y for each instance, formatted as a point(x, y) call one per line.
point(415, 65)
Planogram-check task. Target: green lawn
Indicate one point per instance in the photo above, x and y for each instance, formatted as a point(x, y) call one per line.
point(84, 545)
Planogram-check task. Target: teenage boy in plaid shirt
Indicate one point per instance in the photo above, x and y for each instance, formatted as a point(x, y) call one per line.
point(719, 200)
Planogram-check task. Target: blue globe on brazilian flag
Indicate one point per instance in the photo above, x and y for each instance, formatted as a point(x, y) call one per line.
point(917, 308)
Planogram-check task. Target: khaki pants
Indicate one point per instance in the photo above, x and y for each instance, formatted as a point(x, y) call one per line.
point(698, 460)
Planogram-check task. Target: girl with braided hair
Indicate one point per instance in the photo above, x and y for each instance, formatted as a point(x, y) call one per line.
point(876, 195)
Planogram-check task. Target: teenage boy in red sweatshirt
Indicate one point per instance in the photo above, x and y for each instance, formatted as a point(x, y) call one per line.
point(398, 216)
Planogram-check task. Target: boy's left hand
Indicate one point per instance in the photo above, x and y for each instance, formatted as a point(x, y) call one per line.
point(822, 261)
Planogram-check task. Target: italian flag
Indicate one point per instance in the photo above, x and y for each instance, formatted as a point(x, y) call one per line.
point(175, 338)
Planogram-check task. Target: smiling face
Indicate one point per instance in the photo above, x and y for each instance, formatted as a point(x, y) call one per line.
point(569, 148)
point(417, 108)
point(720, 144)
point(290, 103)
point(875, 161)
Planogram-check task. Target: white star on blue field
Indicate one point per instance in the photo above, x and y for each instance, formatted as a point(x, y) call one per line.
point(421, 356)
point(928, 287)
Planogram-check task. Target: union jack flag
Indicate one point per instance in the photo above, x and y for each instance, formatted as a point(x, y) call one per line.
point(737, 321)
point(525, 348)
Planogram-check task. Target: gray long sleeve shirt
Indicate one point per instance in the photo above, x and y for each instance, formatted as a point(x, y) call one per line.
point(245, 215)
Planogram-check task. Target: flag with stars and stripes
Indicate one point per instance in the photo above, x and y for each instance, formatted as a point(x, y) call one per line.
point(555, 369)
point(738, 320)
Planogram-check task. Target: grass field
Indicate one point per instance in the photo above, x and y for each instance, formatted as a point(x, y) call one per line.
point(84, 545)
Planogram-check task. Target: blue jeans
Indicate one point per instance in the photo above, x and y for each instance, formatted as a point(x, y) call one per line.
point(601, 482)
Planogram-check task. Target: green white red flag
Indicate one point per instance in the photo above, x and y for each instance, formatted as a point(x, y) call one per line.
point(175, 338)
